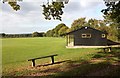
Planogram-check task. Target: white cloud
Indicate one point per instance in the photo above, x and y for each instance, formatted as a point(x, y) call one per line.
point(30, 18)
point(84, 8)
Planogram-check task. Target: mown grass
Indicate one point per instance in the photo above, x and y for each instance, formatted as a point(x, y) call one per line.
point(16, 52)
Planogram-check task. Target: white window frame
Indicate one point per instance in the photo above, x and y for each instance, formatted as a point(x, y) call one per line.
point(103, 35)
point(86, 35)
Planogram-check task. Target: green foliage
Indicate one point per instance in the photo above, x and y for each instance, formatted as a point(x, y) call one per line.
point(13, 4)
point(37, 34)
point(112, 16)
point(53, 10)
point(34, 34)
point(93, 23)
point(78, 23)
point(58, 31)
point(113, 32)
point(50, 33)
point(58, 27)
point(118, 34)
point(113, 10)
point(2, 35)
point(50, 10)
point(63, 31)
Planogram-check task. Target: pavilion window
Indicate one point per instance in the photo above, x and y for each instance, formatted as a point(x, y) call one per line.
point(86, 35)
point(103, 35)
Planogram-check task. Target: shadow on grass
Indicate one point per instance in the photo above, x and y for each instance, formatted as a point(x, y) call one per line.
point(54, 63)
point(101, 64)
point(114, 53)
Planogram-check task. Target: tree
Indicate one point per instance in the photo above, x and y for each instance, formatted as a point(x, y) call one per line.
point(58, 31)
point(78, 23)
point(50, 33)
point(63, 31)
point(53, 9)
point(112, 15)
point(35, 34)
point(112, 10)
point(2, 35)
point(113, 33)
point(57, 28)
point(93, 23)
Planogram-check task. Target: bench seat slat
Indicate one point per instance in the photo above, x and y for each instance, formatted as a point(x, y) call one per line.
point(42, 57)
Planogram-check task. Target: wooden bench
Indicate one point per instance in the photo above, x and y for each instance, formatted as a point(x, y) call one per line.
point(33, 59)
point(107, 48)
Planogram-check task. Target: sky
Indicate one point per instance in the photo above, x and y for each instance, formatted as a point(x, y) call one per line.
point(29, 18)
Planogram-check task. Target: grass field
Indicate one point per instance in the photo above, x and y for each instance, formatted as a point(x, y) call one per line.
point(16, 52)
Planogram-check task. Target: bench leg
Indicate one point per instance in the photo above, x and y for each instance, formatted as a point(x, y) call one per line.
point(52, 58)
point(104, 50)
point(33, 63)
point(109, 49)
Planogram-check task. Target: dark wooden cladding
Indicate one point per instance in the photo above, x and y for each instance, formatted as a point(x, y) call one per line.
point(87, 36)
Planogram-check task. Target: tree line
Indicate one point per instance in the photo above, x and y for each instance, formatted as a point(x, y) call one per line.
point(34, 34)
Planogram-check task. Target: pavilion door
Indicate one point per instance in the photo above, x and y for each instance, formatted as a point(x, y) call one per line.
point(70, 40)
